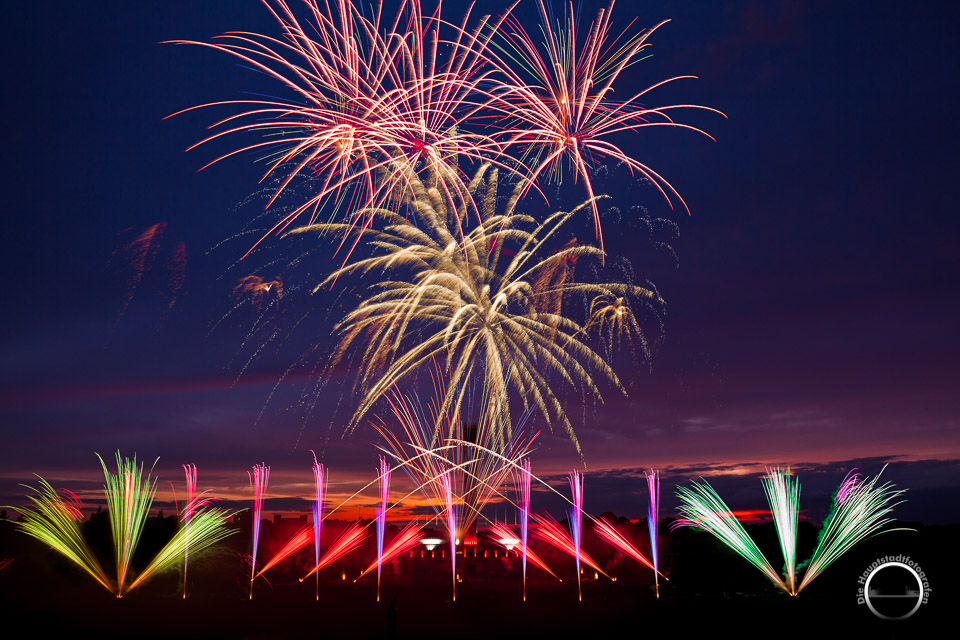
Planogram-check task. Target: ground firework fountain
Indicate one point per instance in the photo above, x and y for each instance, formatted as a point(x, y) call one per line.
point(259, 478)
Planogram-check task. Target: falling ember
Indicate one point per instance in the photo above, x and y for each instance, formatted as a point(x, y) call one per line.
point(384, 478)
point(260, 292)
point(258, 485)
point(653, 524)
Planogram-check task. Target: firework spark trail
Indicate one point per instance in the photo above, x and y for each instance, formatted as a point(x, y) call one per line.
point(53, 522)
point(576, 520)
point(783, 496)
point(258, 485)
point(550, 531)
point(858, 513)
point(564, 113)
point(847, 487)
point(653, 523)
point(614, 538)
point(451, 530)
point(320, 477)
point(504, 536)
point(522, 483)
point(408, 538)
point(701, 508)
point(349, 540)
point(297, 541)
point(384, 477)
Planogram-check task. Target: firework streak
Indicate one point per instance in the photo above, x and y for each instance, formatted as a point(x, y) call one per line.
point(408, 538)
point(320, 481)
point(504, 536)
point(348, 541)
point(614, 538)
point(550, 531)
point(653, 524)
point(384, 479)
point(258, 485)
point(298, 541)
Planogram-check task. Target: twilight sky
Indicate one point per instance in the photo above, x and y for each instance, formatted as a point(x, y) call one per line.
point(811, 310)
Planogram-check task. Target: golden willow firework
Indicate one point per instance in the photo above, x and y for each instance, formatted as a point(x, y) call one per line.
point(469, 301)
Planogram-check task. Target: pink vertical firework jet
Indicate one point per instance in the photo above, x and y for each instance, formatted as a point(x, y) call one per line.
point(190, 471)
point(522, 483)
point(320, 483)
point(653, 521)
point(384, 478)
point(451, 529)
point(576, 520)
point(258, 485)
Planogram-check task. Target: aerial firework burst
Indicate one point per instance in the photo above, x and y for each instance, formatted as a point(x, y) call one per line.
point(370, 95)
point(555, 99)
point(468, 301)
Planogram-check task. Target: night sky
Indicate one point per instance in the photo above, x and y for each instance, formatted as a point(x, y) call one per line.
point(811, 311)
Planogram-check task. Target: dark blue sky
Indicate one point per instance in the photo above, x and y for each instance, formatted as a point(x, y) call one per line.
point(812, 312)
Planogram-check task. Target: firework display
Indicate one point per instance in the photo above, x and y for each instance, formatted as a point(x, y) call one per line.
point(858, 512)
point(420, 142)
point(129, 496)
